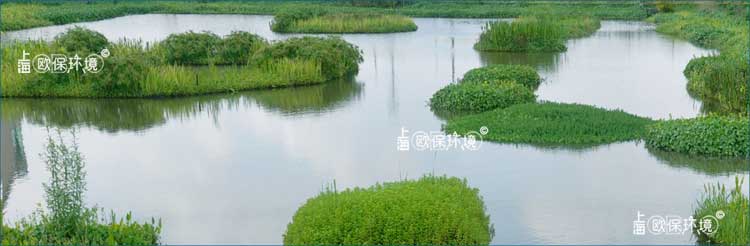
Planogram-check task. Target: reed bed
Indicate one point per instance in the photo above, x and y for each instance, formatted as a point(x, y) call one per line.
point(733, 228)
point(535, 33)
point(352, 23)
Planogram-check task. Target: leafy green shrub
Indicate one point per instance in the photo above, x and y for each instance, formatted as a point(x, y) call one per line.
point(120, 76)
point(431, 210)
point(82, 41)
point(238, 47)
point(283, 20)
point(552, 124)
point(711, 135)
point(190, 48)
point(733, 226)
point(665, 6)
point(522, 74)
point(337, 57)
point(479, 97)
point(526, 34)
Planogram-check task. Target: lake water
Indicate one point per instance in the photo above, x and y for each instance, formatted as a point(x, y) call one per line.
point(234, 168)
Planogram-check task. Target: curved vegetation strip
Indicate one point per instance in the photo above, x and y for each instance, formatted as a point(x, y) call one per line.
point(431, 210)
point(711, 136)
point(552, 124)
point(321, 22)
point(535, 33)
point(183, 64)
point(521, 74)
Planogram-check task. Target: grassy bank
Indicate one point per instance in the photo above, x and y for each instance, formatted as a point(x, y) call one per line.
point(719, 81)
point(733, 228)
point(552, 124)
point(183, 64)
point(431, 210)
point(538, 33)
point(23, 15)
point(322, 22)
point(710, 136)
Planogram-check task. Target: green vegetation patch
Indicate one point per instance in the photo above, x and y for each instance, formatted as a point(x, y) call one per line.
point(711, 135)
point(479, 97)
point(733, 227)
point(720, 81)
point(169, 68)
point(322, 22)
point(535, 33)
point(431, 210)
point(522, 74)
point(552, 124)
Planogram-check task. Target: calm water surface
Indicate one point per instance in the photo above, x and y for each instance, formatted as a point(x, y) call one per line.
point(234, 168)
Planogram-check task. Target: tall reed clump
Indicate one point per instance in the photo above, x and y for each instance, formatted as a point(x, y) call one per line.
point(733, 228)
point(720, 81)
point(709, 135)
point(349, 23)
point(183, 64)
point(552, 124)
point(431, 210)
point(67, 220)
point(535, 33)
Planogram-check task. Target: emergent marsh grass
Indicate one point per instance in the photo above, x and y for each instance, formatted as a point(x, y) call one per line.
point(431, 210)
point(711, 136)
point(521, 74)
point(549, 123)
point(535, 33)
point(166, 69)
point(322, 22)
point(733, 228)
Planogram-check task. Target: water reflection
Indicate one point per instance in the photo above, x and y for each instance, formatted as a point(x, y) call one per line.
point(133, 115)
point(13, 164)
point(715, 166)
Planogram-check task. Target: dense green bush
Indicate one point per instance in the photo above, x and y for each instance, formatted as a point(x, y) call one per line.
point(337, 57)
point(122, 76)
point(552, 124)
point(82, 41)
point(522, 74)
point(191, 48)
point(733, 227)
point(711, 135)
point(479, 97)
point(432, 210)
point(238, 47)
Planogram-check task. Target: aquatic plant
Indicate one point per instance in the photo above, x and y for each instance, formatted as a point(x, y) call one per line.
point(81, 40)
point(342, 23)
point(552, 124)
point(238, 47)
point(431, 210)
point(537, 33)
point(479, 97)
point(67, 220)
point(521, 74)
point(337, 58)
point(710, 135)
point(734, 226)
point(190, 48)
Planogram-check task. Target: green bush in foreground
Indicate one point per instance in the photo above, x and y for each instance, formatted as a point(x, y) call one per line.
point(82, 41)
point(522, 74)
point(552, 124)
point(711, 135)
point(431, 210)
point(733, 227)
point(467, 98)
